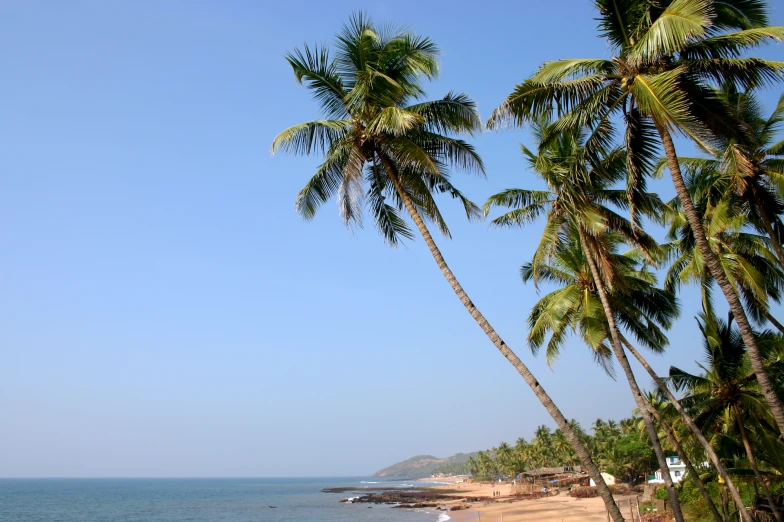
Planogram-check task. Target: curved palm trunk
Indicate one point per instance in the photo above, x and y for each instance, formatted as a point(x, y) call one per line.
point(744, 436)
point(720, 277)
point(685, 459)
point(712, 456)
point(522, 369)
point(642, 404)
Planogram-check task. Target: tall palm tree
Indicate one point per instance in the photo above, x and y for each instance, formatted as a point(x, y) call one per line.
point(575, 306)
point(380, 135)
point(727, 392)
point(744, 256)
point(574, 206)
point(750, 168)
point(667, 54)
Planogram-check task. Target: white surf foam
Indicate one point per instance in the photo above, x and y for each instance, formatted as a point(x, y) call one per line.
point(443, 517)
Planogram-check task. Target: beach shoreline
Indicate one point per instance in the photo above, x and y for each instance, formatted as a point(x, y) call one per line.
point(495, 502)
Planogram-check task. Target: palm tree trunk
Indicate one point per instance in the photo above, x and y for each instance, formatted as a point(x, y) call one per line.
point(522, 369)
point(768, 226)
point(718, 274)
point(753, 462)
point(685, 459)
point(714, 458)
point(627, 369)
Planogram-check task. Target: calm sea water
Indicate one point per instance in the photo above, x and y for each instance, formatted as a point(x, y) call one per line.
point(194, 500)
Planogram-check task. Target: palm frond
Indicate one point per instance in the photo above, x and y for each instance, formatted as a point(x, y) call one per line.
point(641, 154)
point(394, 121)
point(733, 44)
point(511, 198)
point(453, 113)
point(350, 193)
point(744, 73)
point(451, 151)
point(311, 136)
point(325, 183)
point(740, 14)
point(314, 69)
point(388, 221)
point(680, 22)
point(617, 20)
point(530, 100)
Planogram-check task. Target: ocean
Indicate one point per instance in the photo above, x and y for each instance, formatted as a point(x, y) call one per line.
point(196, 500)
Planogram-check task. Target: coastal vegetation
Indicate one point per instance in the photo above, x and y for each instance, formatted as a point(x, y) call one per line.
point(616, 446)
point(602, 129)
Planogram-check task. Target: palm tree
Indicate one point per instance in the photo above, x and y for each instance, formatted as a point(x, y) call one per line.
point(524, 454)
point(542, 445)
point(473, 466)
point(744, 256)
point(484, 464)
point(562, 449)
point(667, 53)
point(727, 392)
point(657, 407)
point(750, 168)
point(575, 306)
point(380, 135)
point(573, 206)
point(504, 457)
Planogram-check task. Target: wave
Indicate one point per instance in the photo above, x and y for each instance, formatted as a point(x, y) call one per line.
point(367, 482)
point(443, 517)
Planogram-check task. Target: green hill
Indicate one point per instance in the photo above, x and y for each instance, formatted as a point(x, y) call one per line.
point(423, 466)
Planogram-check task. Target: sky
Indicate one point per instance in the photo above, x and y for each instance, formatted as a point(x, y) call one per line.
point(165, 312)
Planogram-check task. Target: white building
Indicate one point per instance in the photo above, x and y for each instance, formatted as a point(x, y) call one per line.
point(677, 471)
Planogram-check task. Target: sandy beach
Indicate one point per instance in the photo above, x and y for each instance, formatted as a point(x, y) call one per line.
point(505, 507)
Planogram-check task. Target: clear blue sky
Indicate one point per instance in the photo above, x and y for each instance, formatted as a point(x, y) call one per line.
point(164, 311)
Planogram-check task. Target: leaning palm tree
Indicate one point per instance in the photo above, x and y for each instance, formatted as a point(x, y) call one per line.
point(745, 257)
point(749, 169)
point(667, 56)
point(727, 392)
point(380, 135)
point(575, 307)
point(574, 209)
